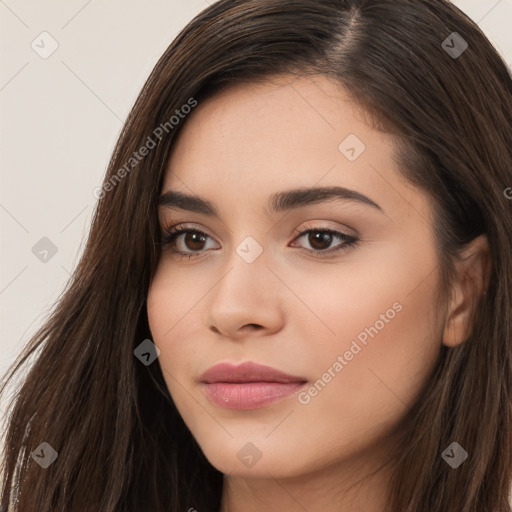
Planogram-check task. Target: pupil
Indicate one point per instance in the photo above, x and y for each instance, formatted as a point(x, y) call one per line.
point(196, 239)
point(319, 236)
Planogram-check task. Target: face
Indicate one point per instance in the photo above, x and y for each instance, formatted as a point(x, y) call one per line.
point(333, 290)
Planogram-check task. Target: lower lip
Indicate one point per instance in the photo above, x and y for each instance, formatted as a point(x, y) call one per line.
point(249, 395)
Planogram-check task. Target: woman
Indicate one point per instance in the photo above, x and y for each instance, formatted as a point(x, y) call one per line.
point(302, 302)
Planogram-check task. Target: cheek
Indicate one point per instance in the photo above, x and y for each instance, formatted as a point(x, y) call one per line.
point(384, 336)
point(171, 297)
point(173, 328)
point(365, 397)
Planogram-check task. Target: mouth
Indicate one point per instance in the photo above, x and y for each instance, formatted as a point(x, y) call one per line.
point(248, 385)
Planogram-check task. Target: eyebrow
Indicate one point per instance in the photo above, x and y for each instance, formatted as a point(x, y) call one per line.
point(278, 202)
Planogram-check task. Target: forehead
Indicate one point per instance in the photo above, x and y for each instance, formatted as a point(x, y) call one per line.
point(254, 139)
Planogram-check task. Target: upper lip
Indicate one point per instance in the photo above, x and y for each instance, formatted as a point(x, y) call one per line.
point(246, 372)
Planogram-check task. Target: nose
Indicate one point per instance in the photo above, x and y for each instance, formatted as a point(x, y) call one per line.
point(247, 300)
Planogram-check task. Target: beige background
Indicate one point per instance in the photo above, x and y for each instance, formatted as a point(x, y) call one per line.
point(61, 116)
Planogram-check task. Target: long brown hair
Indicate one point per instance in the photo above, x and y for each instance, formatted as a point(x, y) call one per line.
point(121, 444)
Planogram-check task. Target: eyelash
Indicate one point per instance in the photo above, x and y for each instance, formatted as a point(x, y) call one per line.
point(170, 234)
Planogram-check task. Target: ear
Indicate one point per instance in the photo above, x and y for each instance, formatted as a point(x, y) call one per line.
point(473, 275)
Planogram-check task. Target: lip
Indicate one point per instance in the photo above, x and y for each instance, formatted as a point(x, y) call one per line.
point(248, 385)
point(247, 372)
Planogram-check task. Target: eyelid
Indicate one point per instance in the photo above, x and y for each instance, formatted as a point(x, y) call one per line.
point(318, 226)
point(176, 230)
point(296, 232)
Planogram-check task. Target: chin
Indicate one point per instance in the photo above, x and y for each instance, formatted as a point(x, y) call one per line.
point(259, 458)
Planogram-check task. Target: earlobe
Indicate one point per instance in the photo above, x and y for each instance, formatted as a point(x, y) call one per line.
point(473, 276)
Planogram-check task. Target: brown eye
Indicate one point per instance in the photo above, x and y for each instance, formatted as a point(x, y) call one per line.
point(194, 240)
point(320, 240)
point(185, 241)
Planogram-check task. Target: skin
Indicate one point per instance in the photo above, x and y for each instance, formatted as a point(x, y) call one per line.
point(294, 310)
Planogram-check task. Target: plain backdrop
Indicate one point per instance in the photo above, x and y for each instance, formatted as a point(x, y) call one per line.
point(61, 115)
